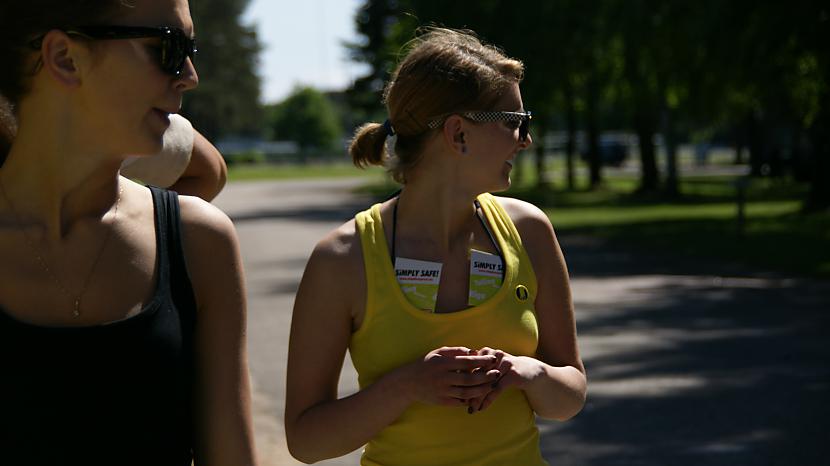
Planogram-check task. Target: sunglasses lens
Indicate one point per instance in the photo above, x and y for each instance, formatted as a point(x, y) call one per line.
point(176, 48)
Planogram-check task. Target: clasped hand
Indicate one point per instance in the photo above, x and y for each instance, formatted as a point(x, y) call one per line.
point(455, 376)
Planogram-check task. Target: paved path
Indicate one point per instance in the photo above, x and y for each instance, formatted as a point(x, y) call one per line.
point(278, 225)
point(689, 363)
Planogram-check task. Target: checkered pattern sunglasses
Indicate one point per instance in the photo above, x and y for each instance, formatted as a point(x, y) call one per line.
point(518, 119)
point(176, 46)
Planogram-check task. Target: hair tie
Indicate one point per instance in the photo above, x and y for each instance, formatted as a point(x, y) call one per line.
point(387, 126)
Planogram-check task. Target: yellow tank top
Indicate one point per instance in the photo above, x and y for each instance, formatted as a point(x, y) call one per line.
point(394, 333)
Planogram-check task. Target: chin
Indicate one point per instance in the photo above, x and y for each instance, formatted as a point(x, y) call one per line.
point(150, 146)
point(501, 187)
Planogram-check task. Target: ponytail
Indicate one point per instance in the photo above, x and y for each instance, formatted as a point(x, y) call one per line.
point(369, 145)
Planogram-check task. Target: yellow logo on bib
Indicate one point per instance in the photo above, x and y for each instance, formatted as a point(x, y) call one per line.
point(522, 293)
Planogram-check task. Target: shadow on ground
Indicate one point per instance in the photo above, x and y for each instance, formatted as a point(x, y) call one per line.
point(332, 213)
point(688, 367)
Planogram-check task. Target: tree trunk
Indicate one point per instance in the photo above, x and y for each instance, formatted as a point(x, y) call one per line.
point(755, 144)
point(592, 125)
point(818, 198)
point(570, 148)
point(542, 181)
point(739, 154)
point(649, 176)
point(670, 139)
point(541, 177)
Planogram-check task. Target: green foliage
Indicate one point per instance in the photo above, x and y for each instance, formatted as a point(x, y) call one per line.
point(308, 118)
point(374, 21)
point(227, 99)
point(753, 71)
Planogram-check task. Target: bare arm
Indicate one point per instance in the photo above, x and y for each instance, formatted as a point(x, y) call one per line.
point(317, 424)
point(206, 173)
point(223, 415)
point(554, 381)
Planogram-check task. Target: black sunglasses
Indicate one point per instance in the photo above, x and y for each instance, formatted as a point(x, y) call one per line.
point(176, 47)
point(520, 118)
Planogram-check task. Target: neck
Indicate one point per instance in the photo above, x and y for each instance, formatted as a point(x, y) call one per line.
point(435, 214)
point(52, 181)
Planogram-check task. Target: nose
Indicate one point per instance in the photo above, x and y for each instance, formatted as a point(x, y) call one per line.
point(188, 79)
point(527, 142)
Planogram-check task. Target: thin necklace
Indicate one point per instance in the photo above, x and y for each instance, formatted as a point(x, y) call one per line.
point(75, 298)
point(479, 214)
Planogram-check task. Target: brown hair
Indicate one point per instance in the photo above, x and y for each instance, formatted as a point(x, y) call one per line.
point(20, 23)
point(443, 71)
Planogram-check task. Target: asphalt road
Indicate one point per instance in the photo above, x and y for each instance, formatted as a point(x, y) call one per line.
point(689, 362)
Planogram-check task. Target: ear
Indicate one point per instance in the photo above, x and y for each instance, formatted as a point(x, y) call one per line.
point(454, 134)
point(61, 57)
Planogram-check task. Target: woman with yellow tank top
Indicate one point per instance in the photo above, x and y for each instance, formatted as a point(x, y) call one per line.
point(454, 304)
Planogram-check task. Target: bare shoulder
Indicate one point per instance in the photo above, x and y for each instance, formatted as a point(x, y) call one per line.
point(530, 220)
point(204, 221)
point(340, 249)
point(333, 284)
point(213, 258)
point(538, 237)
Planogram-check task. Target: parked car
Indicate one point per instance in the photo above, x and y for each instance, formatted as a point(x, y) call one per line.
point(613, 150)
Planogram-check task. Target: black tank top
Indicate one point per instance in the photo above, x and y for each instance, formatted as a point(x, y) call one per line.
point(112, 394)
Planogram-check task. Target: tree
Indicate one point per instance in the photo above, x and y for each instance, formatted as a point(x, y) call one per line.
point(227, 99)
point(308, 118)
point(754, 68)
point(374, 21)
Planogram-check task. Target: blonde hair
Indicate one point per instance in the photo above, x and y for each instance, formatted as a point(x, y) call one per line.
point(443, 71)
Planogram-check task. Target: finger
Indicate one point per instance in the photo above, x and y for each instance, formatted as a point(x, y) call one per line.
point(468, 393)
point(491, 396)
point(468, 363)
point(450, 401)
point(474, 402)
point(498, 354)
point(455, 351)
point(468, 379)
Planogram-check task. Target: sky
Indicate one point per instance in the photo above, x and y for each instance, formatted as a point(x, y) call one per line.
point(302, 44)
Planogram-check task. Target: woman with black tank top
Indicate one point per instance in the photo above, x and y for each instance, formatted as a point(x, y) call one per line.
point(122, 308)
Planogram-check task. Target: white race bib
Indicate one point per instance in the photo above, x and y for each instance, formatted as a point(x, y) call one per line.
point(419, 281)
point(486, 272)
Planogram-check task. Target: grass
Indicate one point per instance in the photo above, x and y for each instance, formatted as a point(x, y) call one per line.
point(776, 236)
point(699, 224)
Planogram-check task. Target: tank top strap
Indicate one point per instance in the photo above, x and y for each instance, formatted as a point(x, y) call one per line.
point(506, 233)
point(173, 274)
point(500, 222)
point(162, 220)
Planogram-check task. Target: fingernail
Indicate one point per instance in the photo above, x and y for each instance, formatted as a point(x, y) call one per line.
point(469, 410)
